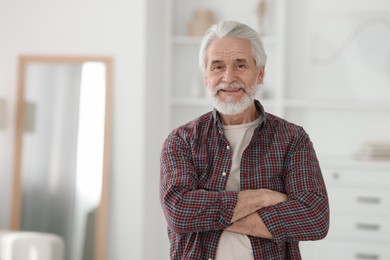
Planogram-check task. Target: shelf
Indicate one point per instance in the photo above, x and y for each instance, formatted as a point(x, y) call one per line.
point(337, 104)
point(297, 103)
point(351, 6)
point(351, 162)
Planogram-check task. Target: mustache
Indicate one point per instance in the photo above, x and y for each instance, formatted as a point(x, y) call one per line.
point(231, 86)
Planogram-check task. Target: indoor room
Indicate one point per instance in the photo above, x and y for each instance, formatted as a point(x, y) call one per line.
point(90, 90)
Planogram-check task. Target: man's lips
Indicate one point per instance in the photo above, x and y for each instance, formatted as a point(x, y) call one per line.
point(231, 90)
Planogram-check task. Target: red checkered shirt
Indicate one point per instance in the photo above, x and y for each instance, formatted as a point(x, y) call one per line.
point(195, 166)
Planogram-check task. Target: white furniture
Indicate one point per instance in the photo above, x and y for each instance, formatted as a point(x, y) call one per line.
point(326, 94)
point(4, 233)
point(359, 195)
point(19, 245)
point(314, 78)
point(306, 82)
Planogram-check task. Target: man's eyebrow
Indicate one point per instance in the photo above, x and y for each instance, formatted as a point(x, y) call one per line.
point(219, 61)
point(216, 61)
point(241, 60)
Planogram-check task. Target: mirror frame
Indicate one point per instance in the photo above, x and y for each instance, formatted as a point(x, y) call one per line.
point(102, 211)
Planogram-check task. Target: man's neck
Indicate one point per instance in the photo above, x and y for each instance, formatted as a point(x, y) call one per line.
point(248, 115)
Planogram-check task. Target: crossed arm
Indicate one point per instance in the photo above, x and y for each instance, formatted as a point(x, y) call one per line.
point(189, 209)
point(245, 219)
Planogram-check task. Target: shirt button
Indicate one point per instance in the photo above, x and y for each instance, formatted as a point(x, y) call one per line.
point(228, 147)
point(224, 174)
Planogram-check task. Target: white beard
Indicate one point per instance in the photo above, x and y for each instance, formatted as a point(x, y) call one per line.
point(231, 107)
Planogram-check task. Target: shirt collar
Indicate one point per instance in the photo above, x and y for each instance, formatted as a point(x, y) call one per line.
point(259, 108)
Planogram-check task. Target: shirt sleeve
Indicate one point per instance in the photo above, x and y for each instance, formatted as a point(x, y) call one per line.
point(186, 207)
point(305, 215)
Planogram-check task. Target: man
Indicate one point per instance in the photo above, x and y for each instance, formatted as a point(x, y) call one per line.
point(240, 183)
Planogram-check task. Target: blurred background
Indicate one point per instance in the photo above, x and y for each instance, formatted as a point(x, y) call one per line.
point(328, 70)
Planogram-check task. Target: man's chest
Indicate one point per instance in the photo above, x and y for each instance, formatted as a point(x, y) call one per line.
point(261, 166)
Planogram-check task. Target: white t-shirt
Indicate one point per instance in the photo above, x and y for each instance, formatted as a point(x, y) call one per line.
point(233, 246)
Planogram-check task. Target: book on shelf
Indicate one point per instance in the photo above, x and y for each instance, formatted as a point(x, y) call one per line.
point(375, 151)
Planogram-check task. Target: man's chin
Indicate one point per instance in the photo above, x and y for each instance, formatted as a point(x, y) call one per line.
point(231, 108)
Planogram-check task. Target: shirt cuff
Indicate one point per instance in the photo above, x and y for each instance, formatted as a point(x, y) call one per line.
point(275, 226)
point(228, 203)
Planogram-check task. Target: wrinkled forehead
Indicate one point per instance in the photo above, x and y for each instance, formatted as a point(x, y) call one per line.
point(229, 49)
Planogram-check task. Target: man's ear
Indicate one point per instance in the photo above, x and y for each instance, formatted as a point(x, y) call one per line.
point(260, 77)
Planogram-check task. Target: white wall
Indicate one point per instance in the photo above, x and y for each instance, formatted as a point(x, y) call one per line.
point(155, 239)
point(104, 27)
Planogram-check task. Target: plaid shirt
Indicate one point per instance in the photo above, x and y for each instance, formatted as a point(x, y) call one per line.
point(195, 165)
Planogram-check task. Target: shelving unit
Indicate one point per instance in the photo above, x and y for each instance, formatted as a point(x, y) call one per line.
point(344, 102)
point(297, 100)
point(339, 115)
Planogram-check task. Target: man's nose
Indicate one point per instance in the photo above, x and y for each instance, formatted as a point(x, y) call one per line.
point(229, 75)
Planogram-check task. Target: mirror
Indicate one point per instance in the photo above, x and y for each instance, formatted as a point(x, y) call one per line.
point(61, 151)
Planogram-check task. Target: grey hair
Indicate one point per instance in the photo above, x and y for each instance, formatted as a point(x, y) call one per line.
point(235, 30)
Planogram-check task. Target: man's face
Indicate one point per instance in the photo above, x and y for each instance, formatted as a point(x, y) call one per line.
point(231, 75)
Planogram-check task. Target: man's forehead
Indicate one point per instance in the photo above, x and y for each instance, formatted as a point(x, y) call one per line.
point(229, 49)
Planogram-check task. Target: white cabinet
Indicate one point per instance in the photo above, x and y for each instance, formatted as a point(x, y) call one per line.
point(359, 199)
point(186, 94)
point(347, 250)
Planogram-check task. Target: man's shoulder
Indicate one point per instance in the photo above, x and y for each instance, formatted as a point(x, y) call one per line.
point(276, 123)
point(194, 126)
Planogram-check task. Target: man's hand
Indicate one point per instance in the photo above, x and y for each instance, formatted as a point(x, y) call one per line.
point(245, 220)
point(249, 201)
point(251, 225)
point(272, 197)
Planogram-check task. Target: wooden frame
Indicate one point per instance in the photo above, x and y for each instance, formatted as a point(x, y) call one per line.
point(102, 211)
